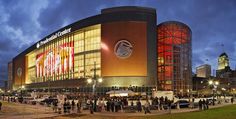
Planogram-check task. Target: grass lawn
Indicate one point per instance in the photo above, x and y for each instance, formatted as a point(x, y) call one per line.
point(227, 112)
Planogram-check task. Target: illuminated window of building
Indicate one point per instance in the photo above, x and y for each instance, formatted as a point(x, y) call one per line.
point(92, 40)
point(90, 60)
point(31, 77)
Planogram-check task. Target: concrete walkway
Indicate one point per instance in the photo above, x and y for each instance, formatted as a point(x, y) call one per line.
point(26, 111)
point(11, 110)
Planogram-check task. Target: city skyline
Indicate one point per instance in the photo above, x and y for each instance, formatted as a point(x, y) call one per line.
point(23, 23)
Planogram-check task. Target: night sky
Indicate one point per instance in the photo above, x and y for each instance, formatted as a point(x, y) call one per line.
point(213, 23)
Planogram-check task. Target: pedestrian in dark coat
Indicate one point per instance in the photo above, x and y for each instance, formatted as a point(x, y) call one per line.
point(200, 104)
point(0, 105)
point(108, 105)
point(207, 104)
point(139, 106)
point(204, 104)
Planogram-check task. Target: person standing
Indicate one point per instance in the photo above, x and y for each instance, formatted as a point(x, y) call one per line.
point(204, 104)
point(78, 107)
point(99, 105)
point(200, 104)
point(68, 106)
point(59, 107)
point(55, 105)
point(112, 105)
point(95, 104)
point(73, 105)
point(91, 107)
point(169, 105)
point(161, 102)
point(0, 105)
point(132, 105)
point(108, 105)
point(207, 104)
point(147, 106)
point(193, 102)
point(103, 105)
point(139, 106)
point(65, 107)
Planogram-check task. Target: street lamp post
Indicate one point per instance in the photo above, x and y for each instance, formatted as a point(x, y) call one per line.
point(94, 80)
point(214, 84)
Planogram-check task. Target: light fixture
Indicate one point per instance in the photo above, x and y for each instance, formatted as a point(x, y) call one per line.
point(100, 80)
point(89, 80)
point(210, 82)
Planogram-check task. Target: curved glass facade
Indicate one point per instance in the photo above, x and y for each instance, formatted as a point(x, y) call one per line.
point(174, 56)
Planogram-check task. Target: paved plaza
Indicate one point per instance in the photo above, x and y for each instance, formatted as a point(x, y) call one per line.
point(25, 111)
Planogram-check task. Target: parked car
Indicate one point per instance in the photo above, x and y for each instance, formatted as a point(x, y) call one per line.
point(48, 101)
point(182, 104)
point(210, 101)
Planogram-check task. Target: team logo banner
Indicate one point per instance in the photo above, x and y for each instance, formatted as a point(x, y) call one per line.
point(123, 49)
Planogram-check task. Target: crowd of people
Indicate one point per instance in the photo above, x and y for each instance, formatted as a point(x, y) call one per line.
point(118, 104)
point(203, 104)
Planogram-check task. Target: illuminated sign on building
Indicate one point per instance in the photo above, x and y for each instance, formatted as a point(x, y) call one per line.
point(123, 49)
point(54, 36)
point(55, 61)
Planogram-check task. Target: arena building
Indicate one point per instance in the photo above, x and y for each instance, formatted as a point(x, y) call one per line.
point(119, 45)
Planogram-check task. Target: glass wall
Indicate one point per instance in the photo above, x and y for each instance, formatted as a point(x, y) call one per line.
point(71, 56)
point(174, 57)
point(31, 68)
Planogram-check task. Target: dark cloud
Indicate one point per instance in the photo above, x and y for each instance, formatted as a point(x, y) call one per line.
point(25, 22)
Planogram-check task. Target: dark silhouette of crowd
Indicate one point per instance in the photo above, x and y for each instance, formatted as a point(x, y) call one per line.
point(203, 104)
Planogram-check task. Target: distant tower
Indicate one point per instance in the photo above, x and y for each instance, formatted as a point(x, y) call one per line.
point(223, 61)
